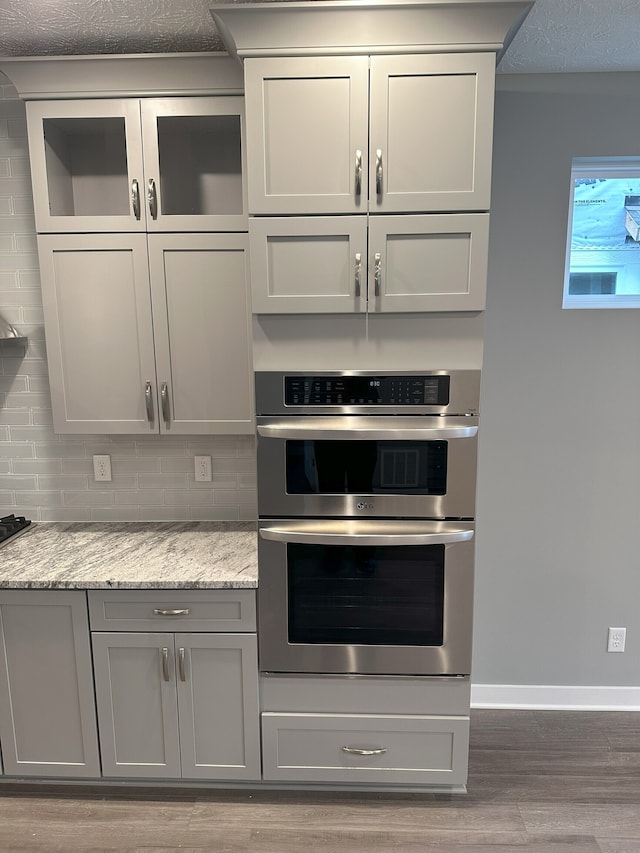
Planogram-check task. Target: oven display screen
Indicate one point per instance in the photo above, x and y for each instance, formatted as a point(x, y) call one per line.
point(366, 390)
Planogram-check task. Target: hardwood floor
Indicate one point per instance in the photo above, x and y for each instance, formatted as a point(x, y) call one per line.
point(539, 782)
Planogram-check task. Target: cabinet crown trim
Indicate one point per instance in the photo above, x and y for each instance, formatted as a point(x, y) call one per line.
point(125, 75)
point(372, 26)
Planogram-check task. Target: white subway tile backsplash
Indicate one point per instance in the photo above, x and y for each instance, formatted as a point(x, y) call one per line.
point(144, 497)
point(86, 498)
point(187, 497)
point(37, 466)
point(38, 499)
point(61, 513)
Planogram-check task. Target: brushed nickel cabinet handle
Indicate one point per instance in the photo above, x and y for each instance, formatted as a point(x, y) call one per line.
point(164, 399)
point(148, 401)
point(358, 172)
point(135, 198)
point(377, 272)
point(181, 669)
point(379, 171)
point(159, 612)
point(356, 750)
point(152, 198)
point(165, 663)
point(358, 273)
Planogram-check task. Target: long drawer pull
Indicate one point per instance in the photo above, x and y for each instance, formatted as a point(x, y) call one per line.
point(158, 612)
point(356, 750)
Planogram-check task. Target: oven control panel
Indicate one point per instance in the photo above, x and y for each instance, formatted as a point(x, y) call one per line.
point(383, 390)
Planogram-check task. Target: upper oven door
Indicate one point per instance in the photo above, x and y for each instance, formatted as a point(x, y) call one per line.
point(411, 467)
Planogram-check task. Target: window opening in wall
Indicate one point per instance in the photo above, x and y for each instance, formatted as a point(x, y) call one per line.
point(603, 243)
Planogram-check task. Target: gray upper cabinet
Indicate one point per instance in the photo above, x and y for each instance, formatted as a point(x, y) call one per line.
point(129, 164)
point(402, 133)
point(47, 709)
point(148, 335)
point(333, 264)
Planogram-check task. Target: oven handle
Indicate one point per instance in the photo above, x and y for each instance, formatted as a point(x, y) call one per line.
point(314, 537)
point(379, 429)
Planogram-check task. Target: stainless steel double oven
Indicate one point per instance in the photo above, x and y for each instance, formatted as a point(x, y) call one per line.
point(366, 503)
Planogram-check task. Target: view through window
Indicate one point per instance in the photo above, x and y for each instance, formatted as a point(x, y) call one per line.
point(603, 245)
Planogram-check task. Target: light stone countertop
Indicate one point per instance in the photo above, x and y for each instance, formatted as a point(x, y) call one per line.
point(132, 555)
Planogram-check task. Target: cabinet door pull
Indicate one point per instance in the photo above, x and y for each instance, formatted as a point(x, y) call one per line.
point(377, 272)
point(358, 172)
point(164, 398)
point(181, 669)
point(165, 663)
point(159, 612)
point(379, 171)
point(358, 273)
point(148, 400)
point(152, 198)
point(356, 750)
point(135, 198)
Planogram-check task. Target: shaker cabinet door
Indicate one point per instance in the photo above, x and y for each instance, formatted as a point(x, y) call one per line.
point(86, 165)
point(97, 310)
point(136, 700)
point(307, 134)
point(431, 132)
point(307, 264)
point(202, 317)
point(428, 263)
point(218, 705)
point(47, 712)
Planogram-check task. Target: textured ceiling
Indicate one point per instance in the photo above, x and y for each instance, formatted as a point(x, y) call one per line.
point(558, 35)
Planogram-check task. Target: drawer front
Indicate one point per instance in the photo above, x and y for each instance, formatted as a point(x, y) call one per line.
point(408, 750)
point(347, 694)
point(228, 610)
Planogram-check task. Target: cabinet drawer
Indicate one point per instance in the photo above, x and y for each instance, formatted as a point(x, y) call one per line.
point(409, 750)
point(229, 610)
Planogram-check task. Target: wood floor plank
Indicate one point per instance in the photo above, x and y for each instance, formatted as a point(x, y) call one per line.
point(75, 822)
point(619, 845)
point(354, 816)
point(599, 820)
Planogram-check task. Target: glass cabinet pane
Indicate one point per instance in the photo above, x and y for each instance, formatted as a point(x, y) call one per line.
point(200, 165)
point(86, 166)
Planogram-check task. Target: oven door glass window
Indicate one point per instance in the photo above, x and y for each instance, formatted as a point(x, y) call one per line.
point(366, 467)
point(366, 595)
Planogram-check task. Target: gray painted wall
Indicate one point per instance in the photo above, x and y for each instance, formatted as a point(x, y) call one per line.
point(559, 470)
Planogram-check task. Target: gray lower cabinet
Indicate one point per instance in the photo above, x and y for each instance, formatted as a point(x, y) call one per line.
point(369, 730)
point(47, 710)
point(177, 705)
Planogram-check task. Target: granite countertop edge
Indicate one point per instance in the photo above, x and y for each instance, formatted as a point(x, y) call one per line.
point(131, 555)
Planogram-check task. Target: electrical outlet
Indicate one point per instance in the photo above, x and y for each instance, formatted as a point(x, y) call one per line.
point(203, 469)
point(101, 467)
point(616, 640)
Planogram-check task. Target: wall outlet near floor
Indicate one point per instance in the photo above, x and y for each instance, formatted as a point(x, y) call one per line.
point(203, 469)
point(101, 467)
point(616, 639)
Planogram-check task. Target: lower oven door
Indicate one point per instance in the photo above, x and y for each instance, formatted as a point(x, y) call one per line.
point(365, 597)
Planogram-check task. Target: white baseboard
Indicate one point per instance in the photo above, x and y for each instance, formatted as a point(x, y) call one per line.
point(552, 696)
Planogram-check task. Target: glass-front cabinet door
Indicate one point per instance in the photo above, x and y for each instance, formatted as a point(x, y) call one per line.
point(130, 164)
point(194, 156)
point(86, 163)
